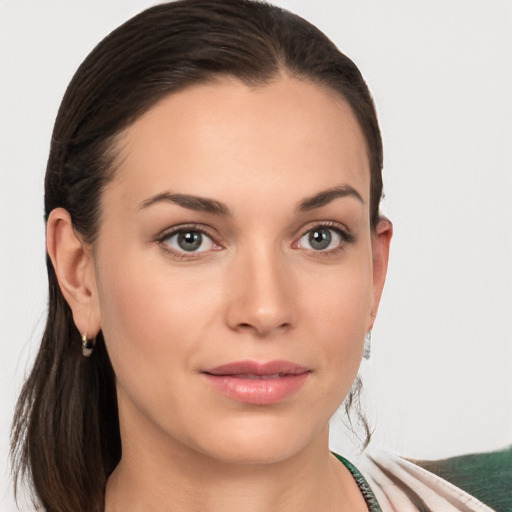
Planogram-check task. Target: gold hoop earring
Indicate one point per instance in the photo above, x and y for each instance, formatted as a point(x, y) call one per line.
point(87, 345)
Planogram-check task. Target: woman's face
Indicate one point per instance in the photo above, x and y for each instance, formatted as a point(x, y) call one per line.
point(235, 278)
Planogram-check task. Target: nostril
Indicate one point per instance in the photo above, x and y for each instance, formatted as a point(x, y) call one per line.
point(261, 330)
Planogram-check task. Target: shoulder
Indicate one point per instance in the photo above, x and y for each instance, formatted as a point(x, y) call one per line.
point(401, 485)
point(488, 476)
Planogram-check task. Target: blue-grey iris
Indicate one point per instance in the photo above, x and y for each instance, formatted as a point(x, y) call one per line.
point(190, 240)
point(320, 239)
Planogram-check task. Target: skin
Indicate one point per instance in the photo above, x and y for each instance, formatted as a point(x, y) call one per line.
point(256, 289)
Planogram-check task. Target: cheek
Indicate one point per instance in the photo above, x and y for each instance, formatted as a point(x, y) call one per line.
point(341, 299)
point(152, 329)
point(149, 314)
point(337, 312)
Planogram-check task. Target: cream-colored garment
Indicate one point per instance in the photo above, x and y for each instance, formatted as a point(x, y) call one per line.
point(401, 486)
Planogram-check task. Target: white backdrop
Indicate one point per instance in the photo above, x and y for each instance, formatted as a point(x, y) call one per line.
point(439, 380)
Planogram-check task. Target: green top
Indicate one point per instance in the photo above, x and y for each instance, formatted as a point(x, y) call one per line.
point(364, 487)
point(487, 476)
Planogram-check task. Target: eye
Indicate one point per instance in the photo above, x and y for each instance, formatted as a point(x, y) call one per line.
point(188, 241)
point(322, 238)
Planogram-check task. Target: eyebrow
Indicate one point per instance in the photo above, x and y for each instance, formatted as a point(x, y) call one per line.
point(201, 204)
point(204, 204)
point(326, 196)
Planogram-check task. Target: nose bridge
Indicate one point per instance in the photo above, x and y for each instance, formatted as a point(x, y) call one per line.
point(262, 290)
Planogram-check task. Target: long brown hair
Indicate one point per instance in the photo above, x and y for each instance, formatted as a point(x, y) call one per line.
point(65, 431)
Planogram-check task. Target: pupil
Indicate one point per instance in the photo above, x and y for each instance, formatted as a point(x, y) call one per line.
point(320, 239)
point(190, 240)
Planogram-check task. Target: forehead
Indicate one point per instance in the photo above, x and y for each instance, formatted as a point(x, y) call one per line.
point(289, 134)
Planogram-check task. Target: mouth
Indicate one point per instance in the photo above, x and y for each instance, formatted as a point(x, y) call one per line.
point(257, 383)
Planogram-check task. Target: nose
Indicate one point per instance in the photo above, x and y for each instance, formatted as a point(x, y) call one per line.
point(261, 294)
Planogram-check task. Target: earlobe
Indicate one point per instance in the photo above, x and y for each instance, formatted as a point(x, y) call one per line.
point(73, 264)
point(381, 240)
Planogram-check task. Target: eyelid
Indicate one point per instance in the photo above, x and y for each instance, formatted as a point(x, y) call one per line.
point(331, 224)
point(174, 230)
point(347, 236)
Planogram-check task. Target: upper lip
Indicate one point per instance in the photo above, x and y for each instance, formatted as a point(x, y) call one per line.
point(257, 368)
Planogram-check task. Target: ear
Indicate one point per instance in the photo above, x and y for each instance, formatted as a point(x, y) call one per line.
point(381, 239)
point(74, 267)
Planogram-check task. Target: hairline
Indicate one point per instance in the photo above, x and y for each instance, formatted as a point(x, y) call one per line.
point(113, 149)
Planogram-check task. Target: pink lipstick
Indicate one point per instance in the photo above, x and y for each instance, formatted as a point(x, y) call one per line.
point(256, 383)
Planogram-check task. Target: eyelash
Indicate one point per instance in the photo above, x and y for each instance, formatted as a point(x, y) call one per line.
point(161, 240)
point(345, 236)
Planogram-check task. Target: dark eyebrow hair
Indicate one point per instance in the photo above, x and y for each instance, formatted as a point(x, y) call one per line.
point(326, 196)
point(202, 204)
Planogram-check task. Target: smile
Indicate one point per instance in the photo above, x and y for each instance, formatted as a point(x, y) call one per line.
point(254, 383)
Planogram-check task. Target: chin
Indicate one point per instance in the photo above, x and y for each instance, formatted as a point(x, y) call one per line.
point(260, 441)
point(252, 453)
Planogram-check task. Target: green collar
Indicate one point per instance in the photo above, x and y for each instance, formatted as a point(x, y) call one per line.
point(364, 487)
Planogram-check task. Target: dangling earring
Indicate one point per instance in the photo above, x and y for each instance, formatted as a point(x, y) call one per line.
point(367, 345)
point(87, 345)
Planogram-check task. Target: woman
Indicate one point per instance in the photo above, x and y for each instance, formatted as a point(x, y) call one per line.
point(216, 259)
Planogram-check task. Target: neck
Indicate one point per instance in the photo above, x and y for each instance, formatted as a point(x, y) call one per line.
point(182, 479)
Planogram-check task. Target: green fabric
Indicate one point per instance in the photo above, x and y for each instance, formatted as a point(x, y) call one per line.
point(364, 487)
point(486, 476)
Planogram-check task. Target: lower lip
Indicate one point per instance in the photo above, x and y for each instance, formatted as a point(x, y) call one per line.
point(257, 391)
